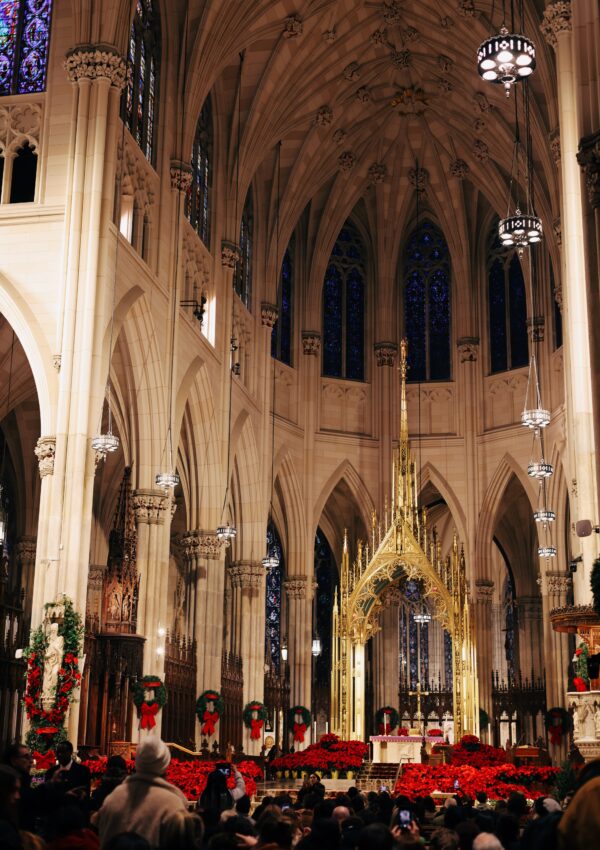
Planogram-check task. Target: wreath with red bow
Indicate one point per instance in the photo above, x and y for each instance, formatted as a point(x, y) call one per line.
point(255, 724)
point(147, 709)
point(299, 728)
point(558, 722)
point(387, 719)
point(207, 718)
point(46, 726)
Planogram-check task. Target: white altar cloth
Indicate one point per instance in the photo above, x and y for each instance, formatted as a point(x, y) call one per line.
point(399, 748)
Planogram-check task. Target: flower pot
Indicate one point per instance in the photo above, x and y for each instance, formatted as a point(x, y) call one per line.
point(278, 774)
point(334, 774)
point(303, 774)
point(286, 773)
point(349, 774)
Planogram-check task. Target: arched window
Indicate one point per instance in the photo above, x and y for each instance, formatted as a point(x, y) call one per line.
point(24, 37)
point(427, 304)
point(198, 201)
point(507, 308)
point(281, 336)
point(273, 598)
point(242, 278)
point(326, 577)
point(140, 97)
point(344, 307)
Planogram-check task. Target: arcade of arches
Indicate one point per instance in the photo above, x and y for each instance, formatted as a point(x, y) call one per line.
point(218, 219)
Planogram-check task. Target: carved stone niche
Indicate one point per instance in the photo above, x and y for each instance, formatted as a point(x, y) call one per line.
point(585, 708)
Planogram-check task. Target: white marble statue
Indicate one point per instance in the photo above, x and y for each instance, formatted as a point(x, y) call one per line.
point(52, 661)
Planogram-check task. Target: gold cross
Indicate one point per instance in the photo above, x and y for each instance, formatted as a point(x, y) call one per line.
point(418, 694)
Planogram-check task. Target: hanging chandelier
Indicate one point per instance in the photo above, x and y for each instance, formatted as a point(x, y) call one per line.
point(544, 516)
point(167, 479)
point(422, 617)
point(506, 58)
point(271, 562)
point(316, 646)
point(547, 551)
point(540, 469)
point(106, 443)
point(534, 415)
point(226, 532)
point(520, 230)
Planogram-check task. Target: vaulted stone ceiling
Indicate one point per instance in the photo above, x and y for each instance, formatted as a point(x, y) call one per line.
point(358, 91)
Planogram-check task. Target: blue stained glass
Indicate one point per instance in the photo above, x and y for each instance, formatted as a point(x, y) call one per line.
point(273, 598)
point(24, 38)
point(332, 322)
point(198, 201)
point(281, 335)
point(510, 629)
point(519, 350)
point(242, 278)
point(326, 578)
point(139, 102)
point(344, 307)
point(427, 304)
point(497, 308)
point(448, 659)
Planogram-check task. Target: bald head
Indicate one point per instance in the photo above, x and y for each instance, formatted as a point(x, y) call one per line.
point(341, 813)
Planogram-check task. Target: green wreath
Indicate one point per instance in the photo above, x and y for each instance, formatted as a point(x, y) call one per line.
point(209, 719)
point(148, 708)
point(46, 725)
point(299, 729)
point(558, 722)
point(387, 719)
point(255, 724)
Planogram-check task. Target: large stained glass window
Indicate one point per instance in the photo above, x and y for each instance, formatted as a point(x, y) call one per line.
point(344, 307)
point(427, 304)
point(326, 578)
point(273, 599)
point(242, 278)
point(507, 308)
point(24, 37)
point(198, 201)
point(281, 336)
point(140, 98)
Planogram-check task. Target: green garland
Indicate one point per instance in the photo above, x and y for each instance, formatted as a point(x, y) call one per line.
point(582, 654)
point(148, 708)
point(297, 728)
point(46, 727)
point(387, 716)
point(595, 585)
point(206, 718)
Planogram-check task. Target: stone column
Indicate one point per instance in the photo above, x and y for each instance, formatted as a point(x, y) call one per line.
point(530, 637)
point(46, 571)
point(25, 553)
point(151, 510)
point(248, 582)
point(387, 426)
point(555, 586)
point(557, 28)
point(469, 388)
point(300, 591)
point(484, 595)
point(209, 595)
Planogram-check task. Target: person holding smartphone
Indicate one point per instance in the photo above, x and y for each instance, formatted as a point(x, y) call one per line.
point(217, 797)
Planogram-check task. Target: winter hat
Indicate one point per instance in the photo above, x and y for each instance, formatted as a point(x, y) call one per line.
point(152, 756)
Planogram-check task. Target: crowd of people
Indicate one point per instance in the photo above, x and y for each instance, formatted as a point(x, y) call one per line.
point(143, 811)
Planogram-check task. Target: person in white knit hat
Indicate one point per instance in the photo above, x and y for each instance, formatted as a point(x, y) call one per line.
point(145, 799)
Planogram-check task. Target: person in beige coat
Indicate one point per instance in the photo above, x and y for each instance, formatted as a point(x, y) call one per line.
point(145, 800)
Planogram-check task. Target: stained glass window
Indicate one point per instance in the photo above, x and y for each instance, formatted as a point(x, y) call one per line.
point(448, 667)
point(242, 278)
point(140, 97)
point(344, 307)
point(198, 200)
point(510, 628)
point(281, 336)
point(273, 599)
point(507, 308)
point(24, 37)
point(326, 578)
point(427, 304)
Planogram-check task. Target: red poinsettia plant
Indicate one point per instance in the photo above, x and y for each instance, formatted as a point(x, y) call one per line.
point(435, 733)
point(471, 751)
point(419, 780)
point(330, 753)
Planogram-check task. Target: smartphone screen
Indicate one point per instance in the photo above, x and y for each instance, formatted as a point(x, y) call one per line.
point(404, 818)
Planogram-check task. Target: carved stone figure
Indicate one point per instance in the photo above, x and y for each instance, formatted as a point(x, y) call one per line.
point(52, 661)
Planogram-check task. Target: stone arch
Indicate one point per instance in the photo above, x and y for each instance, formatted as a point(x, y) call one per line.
point(345, 472)
point(431, 475)
point(246, 490)
point(288, 506)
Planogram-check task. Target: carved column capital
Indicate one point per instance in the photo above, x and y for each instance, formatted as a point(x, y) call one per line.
point(558, 582)
point(535, 328)
point(588, 158)
point(468, 348)
point(246, 575)
point(210, 545)
point(554, 139)
point(230, 254)
point(268, 314)
point(45, 449)
point(556, 20)
point(300, 587)
point(385, 353)
point(181, 175)
point(311, 342)
point(26, 548)
point(150, 506)
point(96, 61)
point(484, 591)
point(418, 178)
point(377, 172)
point(189, 543)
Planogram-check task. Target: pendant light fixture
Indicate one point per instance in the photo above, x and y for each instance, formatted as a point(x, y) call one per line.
point(226, 532)
point(507, 57)
point(521, 228)
point(271, 560)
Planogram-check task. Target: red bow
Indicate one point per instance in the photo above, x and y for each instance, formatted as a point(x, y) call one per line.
point(210, 721)
point(255, 727)
point(580, 684)
point(299, 730)
point(384, 728)
point(147, 715)
point(44, 760)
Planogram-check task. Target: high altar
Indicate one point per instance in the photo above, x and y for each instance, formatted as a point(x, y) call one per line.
point(399, 548)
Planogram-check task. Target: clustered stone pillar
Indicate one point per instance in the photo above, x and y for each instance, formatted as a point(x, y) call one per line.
point(484, 595)
point(209, 595)
point(248, 621)
point(46, 572)
point(300, 591)
point(25, 552)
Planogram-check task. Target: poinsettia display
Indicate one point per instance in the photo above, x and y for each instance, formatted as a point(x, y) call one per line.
point(149, 706)
point(471, 751)
point(329, 753)
point(46, 724)
point(581, 680)
point(189, 776)
point(435, 733)
point(420, 780)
